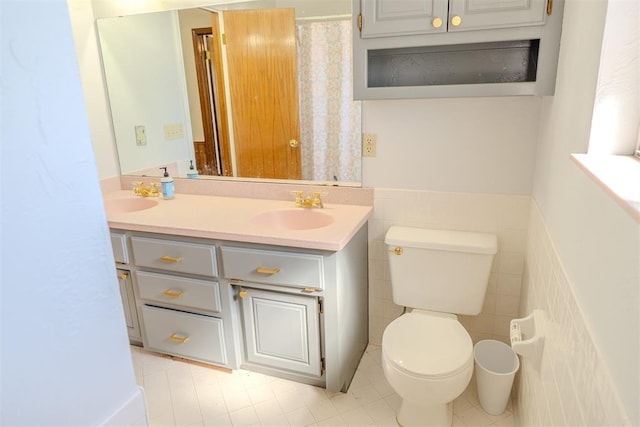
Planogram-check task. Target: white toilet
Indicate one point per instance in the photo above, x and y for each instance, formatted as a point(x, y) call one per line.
point(427, 355)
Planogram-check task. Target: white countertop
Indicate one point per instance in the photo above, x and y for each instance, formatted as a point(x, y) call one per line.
point(230, 218)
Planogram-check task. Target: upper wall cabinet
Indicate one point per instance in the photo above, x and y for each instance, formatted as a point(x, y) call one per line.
point(455, 48)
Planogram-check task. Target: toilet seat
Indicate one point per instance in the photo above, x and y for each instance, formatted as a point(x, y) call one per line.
point(427, 345)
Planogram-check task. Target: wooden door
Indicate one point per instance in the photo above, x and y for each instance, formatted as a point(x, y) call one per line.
point(263, 89)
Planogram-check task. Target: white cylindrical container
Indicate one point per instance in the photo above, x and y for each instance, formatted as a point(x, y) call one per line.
point(496, 365)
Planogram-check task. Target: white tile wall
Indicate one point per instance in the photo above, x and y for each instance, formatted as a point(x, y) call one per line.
point(505, 215)
point(571, 387)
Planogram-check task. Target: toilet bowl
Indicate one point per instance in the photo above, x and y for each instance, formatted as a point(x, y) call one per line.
point(427, 359)
point(427, 355)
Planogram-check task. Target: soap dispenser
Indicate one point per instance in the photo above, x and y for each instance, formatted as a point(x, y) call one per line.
point(168, 189)
point(193, 172)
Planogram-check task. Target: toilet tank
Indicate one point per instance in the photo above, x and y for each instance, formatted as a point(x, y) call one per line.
point(440, 270)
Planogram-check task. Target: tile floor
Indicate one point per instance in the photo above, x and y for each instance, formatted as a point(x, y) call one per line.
point(183, 394)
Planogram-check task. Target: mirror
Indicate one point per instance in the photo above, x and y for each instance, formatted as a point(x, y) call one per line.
point(151, 69)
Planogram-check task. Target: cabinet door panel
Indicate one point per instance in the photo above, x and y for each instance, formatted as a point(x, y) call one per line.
point(486, 14)
point(403, 17)
point(119, 246)
point(282, 331)
point(128, 304)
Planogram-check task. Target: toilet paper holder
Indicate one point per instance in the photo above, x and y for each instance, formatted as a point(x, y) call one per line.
point(526, 336)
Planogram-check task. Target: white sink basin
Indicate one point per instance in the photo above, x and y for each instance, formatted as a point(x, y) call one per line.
point(293, 219)
point(129, 204)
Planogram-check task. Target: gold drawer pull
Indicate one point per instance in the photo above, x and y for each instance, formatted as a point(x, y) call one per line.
point(266, 270)
point(173, 294)
point(123, 276)
point(167, 258)
point(178, 338)
point(397, 251)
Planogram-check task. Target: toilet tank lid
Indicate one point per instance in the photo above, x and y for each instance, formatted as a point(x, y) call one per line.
point(444, 240)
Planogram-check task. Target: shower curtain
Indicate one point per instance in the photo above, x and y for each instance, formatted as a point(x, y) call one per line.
point(330, 120)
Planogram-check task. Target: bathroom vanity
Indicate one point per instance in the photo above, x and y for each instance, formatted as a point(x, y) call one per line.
point(246, 283)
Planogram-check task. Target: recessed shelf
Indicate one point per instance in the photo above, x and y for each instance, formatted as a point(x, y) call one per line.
point(461, 64)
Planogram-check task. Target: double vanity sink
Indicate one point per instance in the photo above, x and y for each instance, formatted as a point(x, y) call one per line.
point(245, 283)
point(249, 220)
point(280, 219)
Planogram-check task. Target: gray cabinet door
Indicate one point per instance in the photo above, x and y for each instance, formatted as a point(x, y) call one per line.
point(487, 14)
point(382, 18)
point(129, 304)
point(403, 17)
point(282, 331)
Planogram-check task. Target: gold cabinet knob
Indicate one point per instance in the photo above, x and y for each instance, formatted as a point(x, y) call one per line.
point(456, 21)
point(293, 143)
point(436, 22)
point(242, 294)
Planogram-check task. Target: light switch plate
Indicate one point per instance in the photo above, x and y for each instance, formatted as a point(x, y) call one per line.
point(173, 131)
point(141, 136)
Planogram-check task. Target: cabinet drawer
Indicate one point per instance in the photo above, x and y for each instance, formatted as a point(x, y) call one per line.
point(119, 245)
point(169, 255)
point(273, 267)
point(179, 291)
point(184, 334)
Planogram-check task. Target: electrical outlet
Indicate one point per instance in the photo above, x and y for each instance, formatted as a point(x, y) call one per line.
point(369, 144)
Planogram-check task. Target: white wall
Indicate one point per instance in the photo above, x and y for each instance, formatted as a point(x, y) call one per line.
point(484, 145)
point(83, 15)
point(96, 101)
point(64, 353)
point(616, 116)
point(596, 241)
point(571, 386)
point(142, 57)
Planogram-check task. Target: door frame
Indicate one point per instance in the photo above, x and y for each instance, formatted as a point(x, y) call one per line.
point(214, 86)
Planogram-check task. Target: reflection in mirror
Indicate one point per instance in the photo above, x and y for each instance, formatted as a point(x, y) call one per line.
point(156, 99)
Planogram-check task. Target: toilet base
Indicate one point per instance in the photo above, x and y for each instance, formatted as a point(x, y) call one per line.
point(412, 415)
